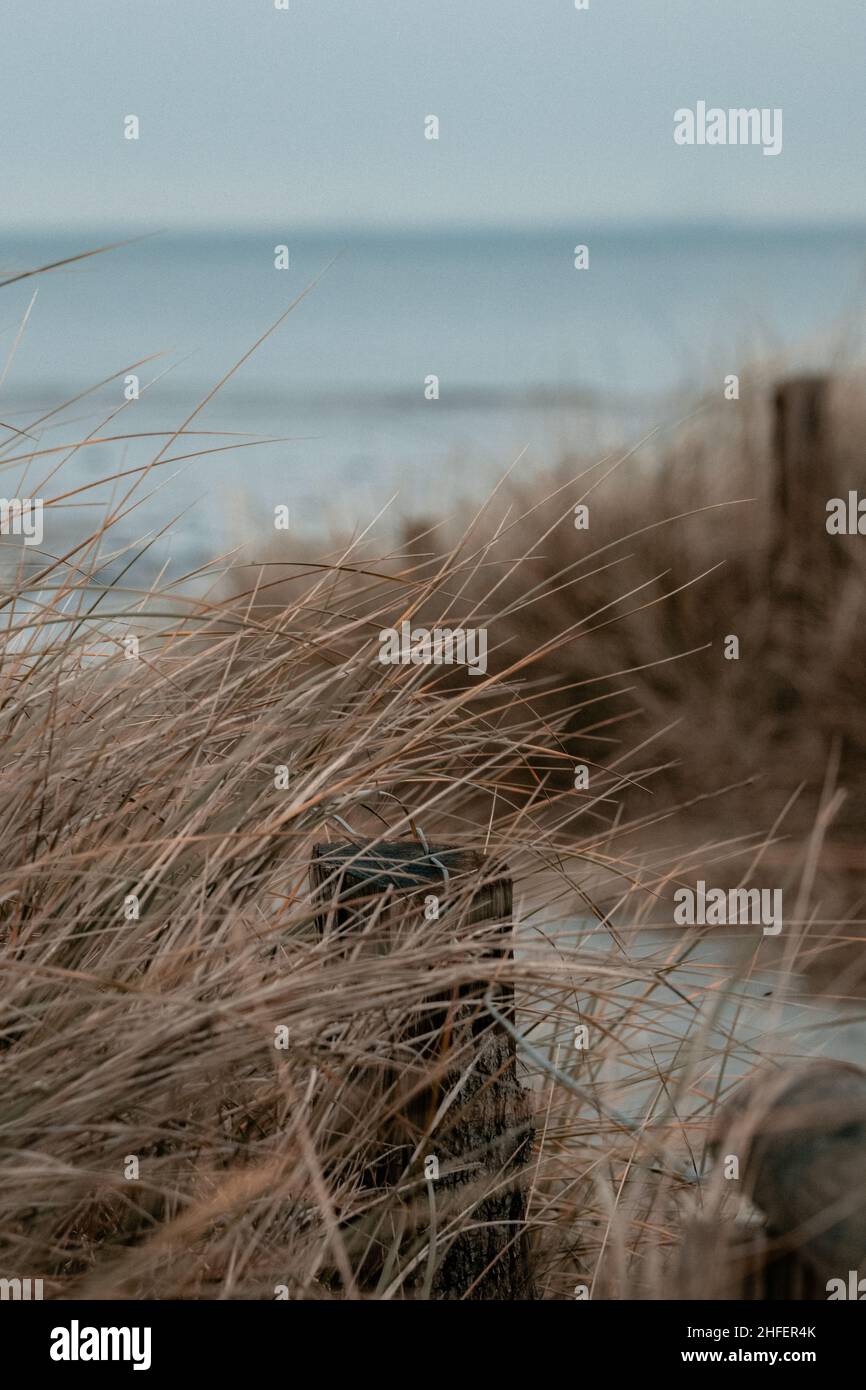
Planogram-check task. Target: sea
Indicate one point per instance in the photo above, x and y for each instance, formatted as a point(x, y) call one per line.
point(412, 371)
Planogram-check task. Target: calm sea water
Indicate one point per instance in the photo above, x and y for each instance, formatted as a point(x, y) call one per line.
point(530, 353)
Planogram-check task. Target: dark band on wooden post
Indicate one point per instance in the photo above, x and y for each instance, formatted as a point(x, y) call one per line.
point(483, 1139)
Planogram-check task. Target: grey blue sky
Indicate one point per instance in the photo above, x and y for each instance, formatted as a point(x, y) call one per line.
point(315, 115)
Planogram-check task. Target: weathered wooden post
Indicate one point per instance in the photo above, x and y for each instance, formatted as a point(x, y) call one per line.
point(801, 452)
point(801, 428)
point(481, 1137)
point(417, 540)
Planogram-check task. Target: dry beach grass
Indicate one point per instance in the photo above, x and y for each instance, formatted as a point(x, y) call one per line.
point(157, 930)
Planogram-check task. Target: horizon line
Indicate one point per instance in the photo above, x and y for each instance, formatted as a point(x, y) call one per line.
point(573, 227)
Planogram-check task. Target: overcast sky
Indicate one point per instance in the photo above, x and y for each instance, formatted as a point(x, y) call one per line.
point(548, 114)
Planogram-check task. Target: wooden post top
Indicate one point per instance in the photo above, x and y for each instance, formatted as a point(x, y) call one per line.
point(401, 864)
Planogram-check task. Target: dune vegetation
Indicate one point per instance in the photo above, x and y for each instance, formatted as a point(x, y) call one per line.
point(202, 1066)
